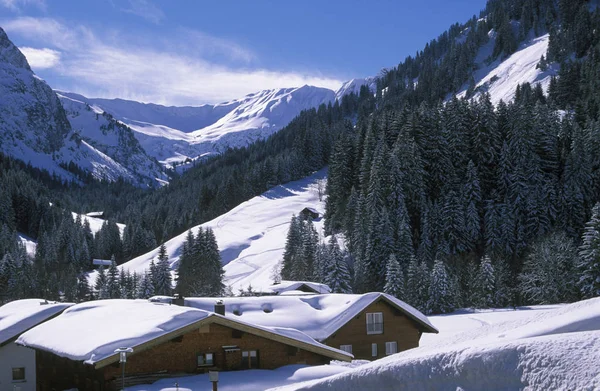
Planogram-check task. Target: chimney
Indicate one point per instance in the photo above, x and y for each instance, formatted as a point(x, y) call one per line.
point(178, 300)
point(220, 308)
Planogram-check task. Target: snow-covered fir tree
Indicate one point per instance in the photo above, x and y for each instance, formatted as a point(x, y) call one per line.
point(338, 275)
point(440, 290)
point(589, 253)
point(394, 278)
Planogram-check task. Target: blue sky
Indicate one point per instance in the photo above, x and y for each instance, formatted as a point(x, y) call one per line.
point(188, 52)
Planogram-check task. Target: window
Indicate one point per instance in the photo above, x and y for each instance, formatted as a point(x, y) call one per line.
point(205, 359)
point(346, 348)
point(18, 373)
point(374, 349)
point(391, 348)
point(375, 323)
point(250, 359)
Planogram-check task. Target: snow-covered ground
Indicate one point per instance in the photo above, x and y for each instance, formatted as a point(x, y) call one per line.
point(251, 237)
point(500, 78)
point(542, 348)
point(251, 380)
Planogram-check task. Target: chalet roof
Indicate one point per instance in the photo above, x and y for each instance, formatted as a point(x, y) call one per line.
point(19, 316)
point(312, 210)
point(287, 286)
point(90, 332)
point(103, 262)
point(318, 316)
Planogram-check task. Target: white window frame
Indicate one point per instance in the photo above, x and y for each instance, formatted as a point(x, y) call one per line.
point(374, 323)
point(391, 348)
point(346, 348)
point(374, 350)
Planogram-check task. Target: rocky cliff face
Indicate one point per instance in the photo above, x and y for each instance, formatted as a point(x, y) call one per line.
point(31, 116)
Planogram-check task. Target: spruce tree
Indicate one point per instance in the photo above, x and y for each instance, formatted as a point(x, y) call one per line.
point(112, 280)
point(589, 254)
point(440, 290)
point(101, 284)
point(338, 275)
point(394, 278)
point(485, 284)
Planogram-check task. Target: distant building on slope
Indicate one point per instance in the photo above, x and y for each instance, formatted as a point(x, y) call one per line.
point(76, 349)
point(308, 212)
point(18, 364)
point(370, 326)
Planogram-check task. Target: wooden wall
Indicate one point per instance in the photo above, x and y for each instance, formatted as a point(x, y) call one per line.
point(175, 357)
point(396, 327)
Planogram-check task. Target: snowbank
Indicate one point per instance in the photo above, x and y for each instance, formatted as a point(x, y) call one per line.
point(21, 315)
point(554, 349)
point(251, 380)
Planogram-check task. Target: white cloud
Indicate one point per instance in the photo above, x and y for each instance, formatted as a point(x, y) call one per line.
point(45, 31)
point(146, 10)
point(180, 73)
point(17, 5)
point(41, 58)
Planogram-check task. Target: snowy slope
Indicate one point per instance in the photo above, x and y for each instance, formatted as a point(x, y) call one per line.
point(554, 349)
point(101, 132)
point(353, 86)
point(175, 134)
point(500, 78)
point(251, 236)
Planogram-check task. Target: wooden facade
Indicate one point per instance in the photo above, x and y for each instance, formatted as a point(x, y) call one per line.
point(228, 348)
point(396, 327)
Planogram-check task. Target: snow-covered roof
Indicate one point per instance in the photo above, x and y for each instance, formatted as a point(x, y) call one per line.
point(95, 214)
point(103, 262)
point(287, 286)
point(90, 332)
point(319, 316)
point(18, 316)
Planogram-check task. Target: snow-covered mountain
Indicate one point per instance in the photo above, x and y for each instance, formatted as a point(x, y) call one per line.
point(35, 128)
point(175, 134)
point(251, 237)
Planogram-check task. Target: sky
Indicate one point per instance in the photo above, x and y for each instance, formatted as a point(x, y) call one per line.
point(192, 52)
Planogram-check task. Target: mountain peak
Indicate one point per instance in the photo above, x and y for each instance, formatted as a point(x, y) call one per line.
point(10, 54)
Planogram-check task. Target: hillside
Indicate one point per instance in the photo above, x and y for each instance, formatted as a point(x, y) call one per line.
point(251, 237)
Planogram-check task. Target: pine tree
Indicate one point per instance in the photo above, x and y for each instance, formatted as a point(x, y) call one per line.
point(589, 253)
point(112, 280)
point(394, 278)
point(440, 290)
point(547, 275)
point(485, 284)
point(338, 275)
point(83, 289)
point(417, 284)
point(101, 284)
